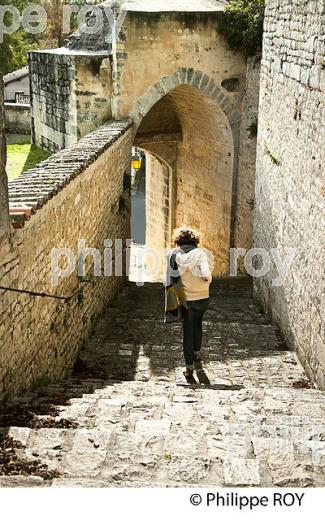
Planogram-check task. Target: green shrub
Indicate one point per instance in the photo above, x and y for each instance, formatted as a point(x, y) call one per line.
point(253, 129)
point(242, 25)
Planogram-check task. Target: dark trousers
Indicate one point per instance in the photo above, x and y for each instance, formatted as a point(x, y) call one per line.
point(192, 327)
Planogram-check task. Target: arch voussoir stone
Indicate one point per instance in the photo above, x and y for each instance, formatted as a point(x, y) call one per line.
point(152, 96)
point(189, 76)
point(209, 88)
point(204, 82)
point(215, 91)
point(169, 83)
point(146, 102)
point(196, 80)
point(143, 105)
point(185, 76)
point(219, 97)
point(182, 73)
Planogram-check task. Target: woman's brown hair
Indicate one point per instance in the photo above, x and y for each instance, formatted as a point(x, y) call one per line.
point(185, 236)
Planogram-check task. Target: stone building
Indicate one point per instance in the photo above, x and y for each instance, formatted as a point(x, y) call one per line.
point(17, 101)
point(17, 88)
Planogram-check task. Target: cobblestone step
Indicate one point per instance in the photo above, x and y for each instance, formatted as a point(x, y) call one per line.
point(127, 416)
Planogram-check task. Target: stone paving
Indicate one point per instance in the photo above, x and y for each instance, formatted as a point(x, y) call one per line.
point(128, 417)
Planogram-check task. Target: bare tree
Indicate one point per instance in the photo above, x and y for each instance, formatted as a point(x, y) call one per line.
point(3, 175)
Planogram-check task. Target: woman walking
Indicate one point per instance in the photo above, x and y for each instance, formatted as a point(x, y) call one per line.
point(187, 293)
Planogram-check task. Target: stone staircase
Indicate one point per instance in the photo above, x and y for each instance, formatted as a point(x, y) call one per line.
point(128, 417)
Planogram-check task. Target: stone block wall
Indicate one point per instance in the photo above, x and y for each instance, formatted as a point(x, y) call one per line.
point(53, 114)
point(78, 193)
point(17, 118)
point(4, 220)
point(158, 178)
point(70, 96)
point(92, 92)
point(157, 45)
point(290, 204)
point(205, 175)
point(164, 156)
point(245, 189)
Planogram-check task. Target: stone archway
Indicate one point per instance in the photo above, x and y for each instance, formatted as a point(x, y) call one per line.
point(191, 77)
point(190, 122)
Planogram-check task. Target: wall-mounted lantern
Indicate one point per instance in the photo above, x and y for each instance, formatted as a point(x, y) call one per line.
point(136, 162)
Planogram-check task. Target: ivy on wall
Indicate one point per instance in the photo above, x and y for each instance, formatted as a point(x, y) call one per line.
point(242, 25)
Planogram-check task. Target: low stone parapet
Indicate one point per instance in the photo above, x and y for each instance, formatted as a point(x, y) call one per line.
point(75, 195)
point(17, 118)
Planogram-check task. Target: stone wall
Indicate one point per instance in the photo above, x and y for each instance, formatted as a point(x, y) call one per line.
point(17, 118)
point(165, 198)
point(3, 177)
point(78, 193)
point(158, 45)
point(245, 189)
point(205, 175)
point(290, 206)
point(53, 114)
point(158, 177)
point(70, 96)
point(93, 93)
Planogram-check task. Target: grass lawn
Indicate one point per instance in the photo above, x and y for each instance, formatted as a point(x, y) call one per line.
point(21, 155)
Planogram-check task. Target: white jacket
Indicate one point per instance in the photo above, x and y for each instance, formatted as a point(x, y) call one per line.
point(195, 270)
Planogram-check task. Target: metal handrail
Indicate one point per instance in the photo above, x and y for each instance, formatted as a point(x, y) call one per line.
point(44, 294)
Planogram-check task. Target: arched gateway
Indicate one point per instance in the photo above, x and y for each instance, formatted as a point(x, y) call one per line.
point(188, 123)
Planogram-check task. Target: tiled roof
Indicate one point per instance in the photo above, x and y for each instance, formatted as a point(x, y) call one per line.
point(14, 76)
